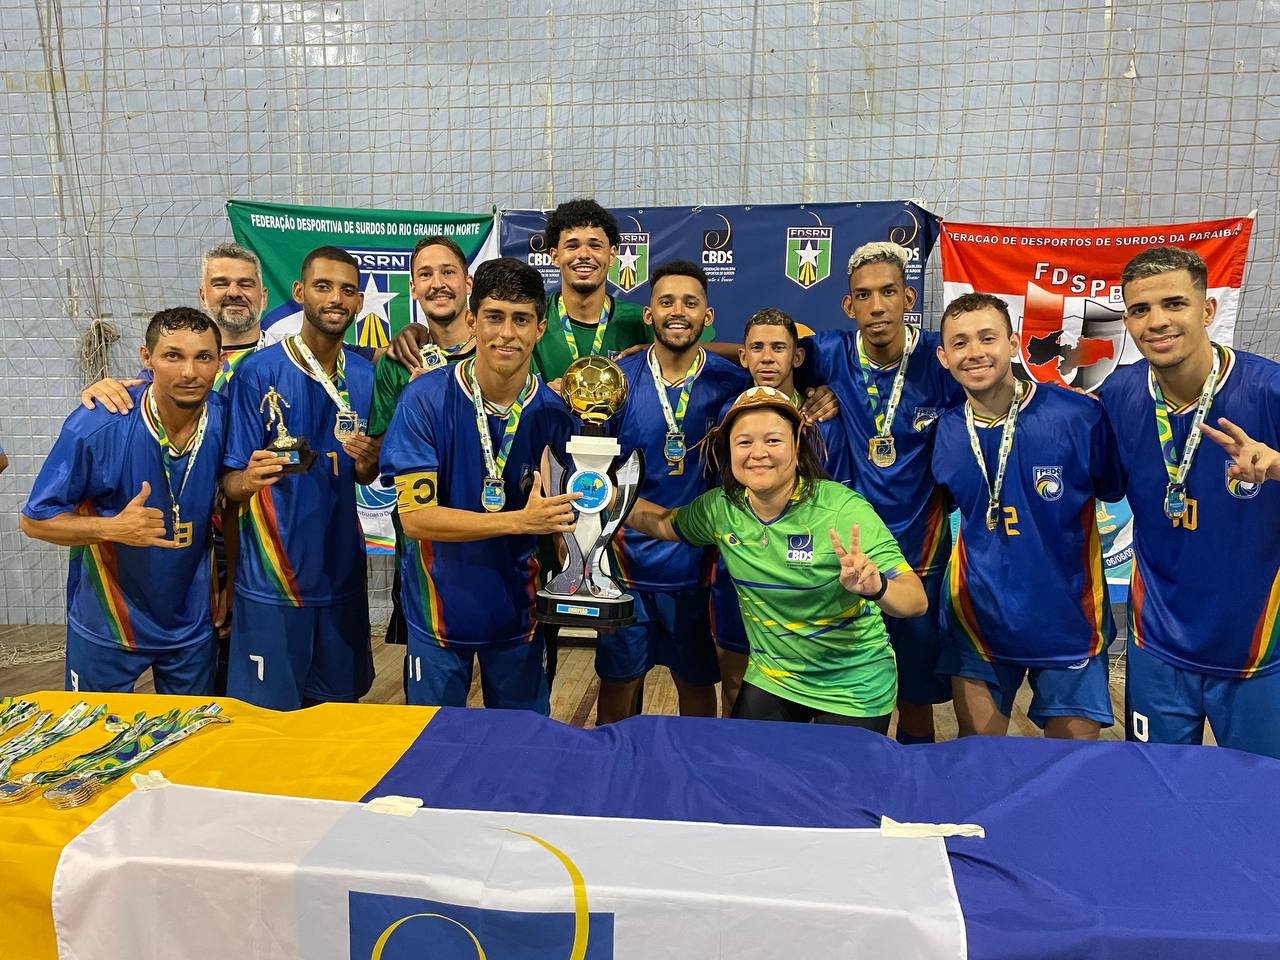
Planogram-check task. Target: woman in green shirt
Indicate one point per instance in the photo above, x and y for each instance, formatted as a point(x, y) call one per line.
point(812, 606)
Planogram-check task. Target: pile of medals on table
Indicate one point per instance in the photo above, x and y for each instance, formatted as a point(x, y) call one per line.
point(26, 730)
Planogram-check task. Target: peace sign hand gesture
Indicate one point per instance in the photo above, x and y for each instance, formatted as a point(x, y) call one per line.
point(1254, 460)
point(858, 572)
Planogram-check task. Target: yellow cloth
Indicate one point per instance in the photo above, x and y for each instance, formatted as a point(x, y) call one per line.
point(335, 751)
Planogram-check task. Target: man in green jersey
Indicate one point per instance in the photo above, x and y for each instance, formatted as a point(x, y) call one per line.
point(813, 608)
point(582, 319)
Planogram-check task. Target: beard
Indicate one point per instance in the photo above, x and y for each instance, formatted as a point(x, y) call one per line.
point(679, 341)
point(582, 285)
point(328, 327)
point(235, 326)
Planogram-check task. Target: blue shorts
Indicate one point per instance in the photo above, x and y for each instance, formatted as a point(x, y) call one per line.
point(282, 655)
point(726, 616)
point(512, 677)
point(672, 629)
point(97, 668)
point(1079, 690)
point(917, 644)
point(1168, 704)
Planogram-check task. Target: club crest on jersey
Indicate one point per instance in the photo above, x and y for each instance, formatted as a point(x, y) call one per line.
point(924, 418)
point(1048, 481)
point(808, 254)
point(1240, 489)
point(630, 268)
point(800, 548)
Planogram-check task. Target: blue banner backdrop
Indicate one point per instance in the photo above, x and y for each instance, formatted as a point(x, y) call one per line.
point(790, 256)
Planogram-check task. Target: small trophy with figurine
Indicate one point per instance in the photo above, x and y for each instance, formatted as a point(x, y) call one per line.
point(299, 452)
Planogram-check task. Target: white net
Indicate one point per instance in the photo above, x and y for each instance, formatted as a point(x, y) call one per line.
point(126, 127)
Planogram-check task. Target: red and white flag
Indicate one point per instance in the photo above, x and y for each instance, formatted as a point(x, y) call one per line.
point(1063, 286)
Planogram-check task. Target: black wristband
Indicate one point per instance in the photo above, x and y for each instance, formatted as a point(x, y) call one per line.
point(884, 585)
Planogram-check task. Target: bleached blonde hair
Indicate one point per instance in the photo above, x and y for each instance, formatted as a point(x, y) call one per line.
point(880, 251)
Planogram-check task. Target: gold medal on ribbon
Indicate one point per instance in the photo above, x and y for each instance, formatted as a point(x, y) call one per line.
point(882, 452)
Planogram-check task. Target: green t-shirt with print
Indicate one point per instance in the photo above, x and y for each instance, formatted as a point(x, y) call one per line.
point(812, 641)
point(390, 377)
point(626, 328)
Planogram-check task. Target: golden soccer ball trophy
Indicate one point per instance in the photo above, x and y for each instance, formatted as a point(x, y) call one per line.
point(594, 388)
point(584, 593)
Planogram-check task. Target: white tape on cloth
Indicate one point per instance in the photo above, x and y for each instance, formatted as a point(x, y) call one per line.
point(394, 805)
point(892, 828)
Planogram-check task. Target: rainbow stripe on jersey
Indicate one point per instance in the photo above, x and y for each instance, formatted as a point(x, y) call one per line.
point(98, 561)
point(260, 527)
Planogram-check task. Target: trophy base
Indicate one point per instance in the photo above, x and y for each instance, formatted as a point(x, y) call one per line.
point(300, 455)
point(590, 612)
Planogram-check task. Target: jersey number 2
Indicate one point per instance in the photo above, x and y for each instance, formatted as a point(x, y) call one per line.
point(1011, 522)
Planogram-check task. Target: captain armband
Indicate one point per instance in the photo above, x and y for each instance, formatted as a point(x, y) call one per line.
point(415, 491)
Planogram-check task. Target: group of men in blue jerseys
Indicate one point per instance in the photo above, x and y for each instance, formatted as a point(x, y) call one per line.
point(191, 516)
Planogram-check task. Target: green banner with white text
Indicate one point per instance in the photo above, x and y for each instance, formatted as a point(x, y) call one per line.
point(382, 241)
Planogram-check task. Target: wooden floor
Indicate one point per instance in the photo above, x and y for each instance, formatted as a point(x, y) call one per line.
point(573, 698)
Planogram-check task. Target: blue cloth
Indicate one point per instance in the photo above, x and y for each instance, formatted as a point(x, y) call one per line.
point(1099, 850)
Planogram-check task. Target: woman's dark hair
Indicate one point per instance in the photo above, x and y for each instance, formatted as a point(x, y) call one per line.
point(808, 464)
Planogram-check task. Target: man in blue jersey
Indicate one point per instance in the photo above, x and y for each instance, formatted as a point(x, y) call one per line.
point(232, 292)
point(1026, 595)
point(676, 390)
point(464, 450)
point(1204, 601)
point(770, 352)
point(301, 611)
point(133, 496)
point(892, 390)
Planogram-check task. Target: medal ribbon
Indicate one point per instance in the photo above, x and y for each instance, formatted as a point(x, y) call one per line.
point(161, 734)
point(1006, 443)
point(44, 733)
point(884, 418)
point(495, 463)
point(15, 713)
point(231, 360)
point(569, 339)
point(675, 419)
point(169, 453)
point(456, 348)
point(1178, 468)
point(335, 386)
